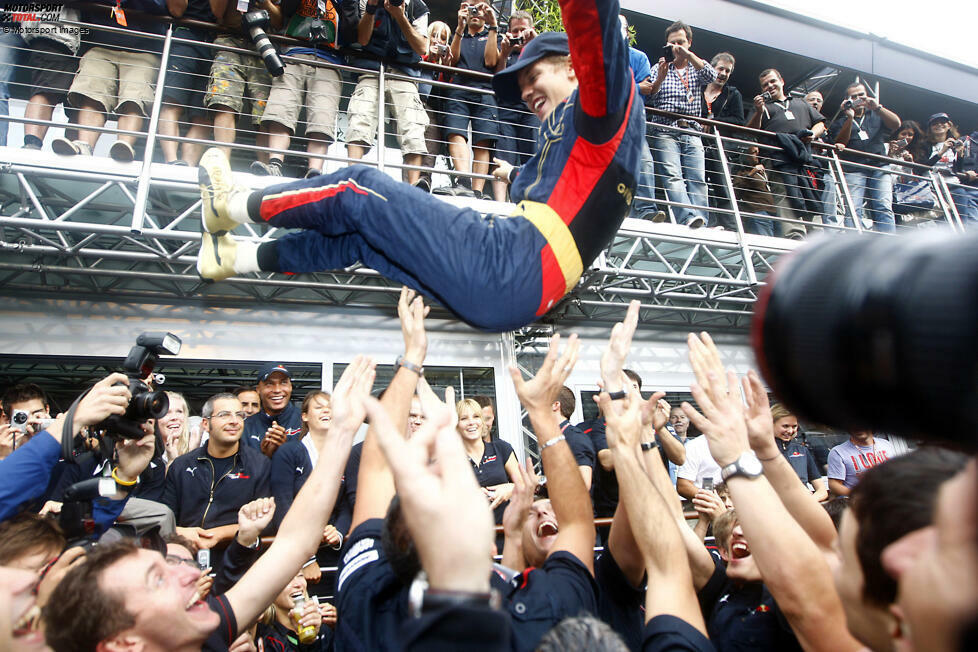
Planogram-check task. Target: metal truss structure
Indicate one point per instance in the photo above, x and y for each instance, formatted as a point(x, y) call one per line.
point(78, 228)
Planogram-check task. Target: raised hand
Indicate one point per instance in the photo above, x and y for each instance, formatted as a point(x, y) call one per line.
point(135, 455)
point(439, 498)
point(524, 486)
point(619, 345)
point(624, 425)
point(760, 426)
point(253, 518)
point(541, 391)
point(412, 311)
point(348, 394)
point(722, 418)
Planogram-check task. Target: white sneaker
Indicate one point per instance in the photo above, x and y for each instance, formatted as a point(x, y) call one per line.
point(214, 176)
point(215, 260)
point(122, 152)
point(66, 147)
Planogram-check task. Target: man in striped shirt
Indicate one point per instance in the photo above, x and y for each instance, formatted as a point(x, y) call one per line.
point(681, 77)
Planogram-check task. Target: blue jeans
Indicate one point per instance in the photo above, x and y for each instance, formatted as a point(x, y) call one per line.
point(758, 225)
point(874, 189)
point(681, 165)
point(11, 51)
point(486, 269)
point(966, 201)
point(645, 208)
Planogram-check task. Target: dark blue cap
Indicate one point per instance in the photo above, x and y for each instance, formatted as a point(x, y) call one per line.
point(271, 367)
point(938, 116)
point(506, 83)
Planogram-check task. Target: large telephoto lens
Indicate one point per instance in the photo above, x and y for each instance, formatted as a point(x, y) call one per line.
point(255, 22)
point(876, 332)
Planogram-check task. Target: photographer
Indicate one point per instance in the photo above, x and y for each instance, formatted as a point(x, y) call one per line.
point(315, 87)
point(791, 187)
point(517, 127)
point(231, 73)
point(21, 470)
point(475, 46)
point(123, 597)
point(680, 79)
point(26, 406)
point(395, 32)
point(863, 127)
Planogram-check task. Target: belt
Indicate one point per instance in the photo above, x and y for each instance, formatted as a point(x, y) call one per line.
point(552, 227)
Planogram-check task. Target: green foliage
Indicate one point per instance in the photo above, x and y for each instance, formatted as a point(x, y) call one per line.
point(546, 16)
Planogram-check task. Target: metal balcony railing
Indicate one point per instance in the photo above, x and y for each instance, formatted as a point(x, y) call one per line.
point(138, 222)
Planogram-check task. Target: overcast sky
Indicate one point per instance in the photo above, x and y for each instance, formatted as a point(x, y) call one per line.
point(942, 27)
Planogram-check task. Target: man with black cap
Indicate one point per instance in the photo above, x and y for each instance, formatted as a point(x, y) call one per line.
point(571, 196)
point(278, 419)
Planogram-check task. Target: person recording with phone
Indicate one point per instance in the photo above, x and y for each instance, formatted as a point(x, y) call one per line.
point(863, 127)
point(680, 79)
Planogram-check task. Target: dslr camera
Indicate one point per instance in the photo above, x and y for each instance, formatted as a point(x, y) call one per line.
point(255, 23)
point(145, 403)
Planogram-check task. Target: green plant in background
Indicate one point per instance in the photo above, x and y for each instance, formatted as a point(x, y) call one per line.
point(546, 16)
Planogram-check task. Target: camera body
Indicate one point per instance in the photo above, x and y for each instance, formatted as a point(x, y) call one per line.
point(441, 50)
point(667, 53)
point(396, 3)
point(517, 41)
point(145, 403)
point(848, 104)
point(18, 420)
point(473, 11)
point(767, 96)
point(255, 22)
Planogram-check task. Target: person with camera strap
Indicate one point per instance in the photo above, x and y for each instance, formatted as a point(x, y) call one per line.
point(863, 127)
point(322, 26)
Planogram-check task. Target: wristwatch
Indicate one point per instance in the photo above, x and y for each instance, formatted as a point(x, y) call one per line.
point(746, 465)
point(421, 598)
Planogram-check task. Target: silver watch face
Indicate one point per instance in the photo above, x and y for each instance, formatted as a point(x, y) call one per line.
point(750, 464)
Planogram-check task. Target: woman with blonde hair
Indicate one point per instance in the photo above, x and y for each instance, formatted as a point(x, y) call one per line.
point(493, 462)
point(174, 429)
point(798, 455)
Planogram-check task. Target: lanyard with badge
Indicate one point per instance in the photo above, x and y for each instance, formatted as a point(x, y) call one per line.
point(788, 115)
point(682, 78)
point(862, 135)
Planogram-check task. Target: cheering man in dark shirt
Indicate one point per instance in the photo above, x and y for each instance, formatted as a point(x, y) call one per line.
point(864, 127)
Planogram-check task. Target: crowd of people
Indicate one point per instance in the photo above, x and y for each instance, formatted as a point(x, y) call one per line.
point(780, 187)
point(217, 539)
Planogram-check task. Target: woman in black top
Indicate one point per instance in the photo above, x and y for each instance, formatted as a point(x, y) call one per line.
point(494, 463)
